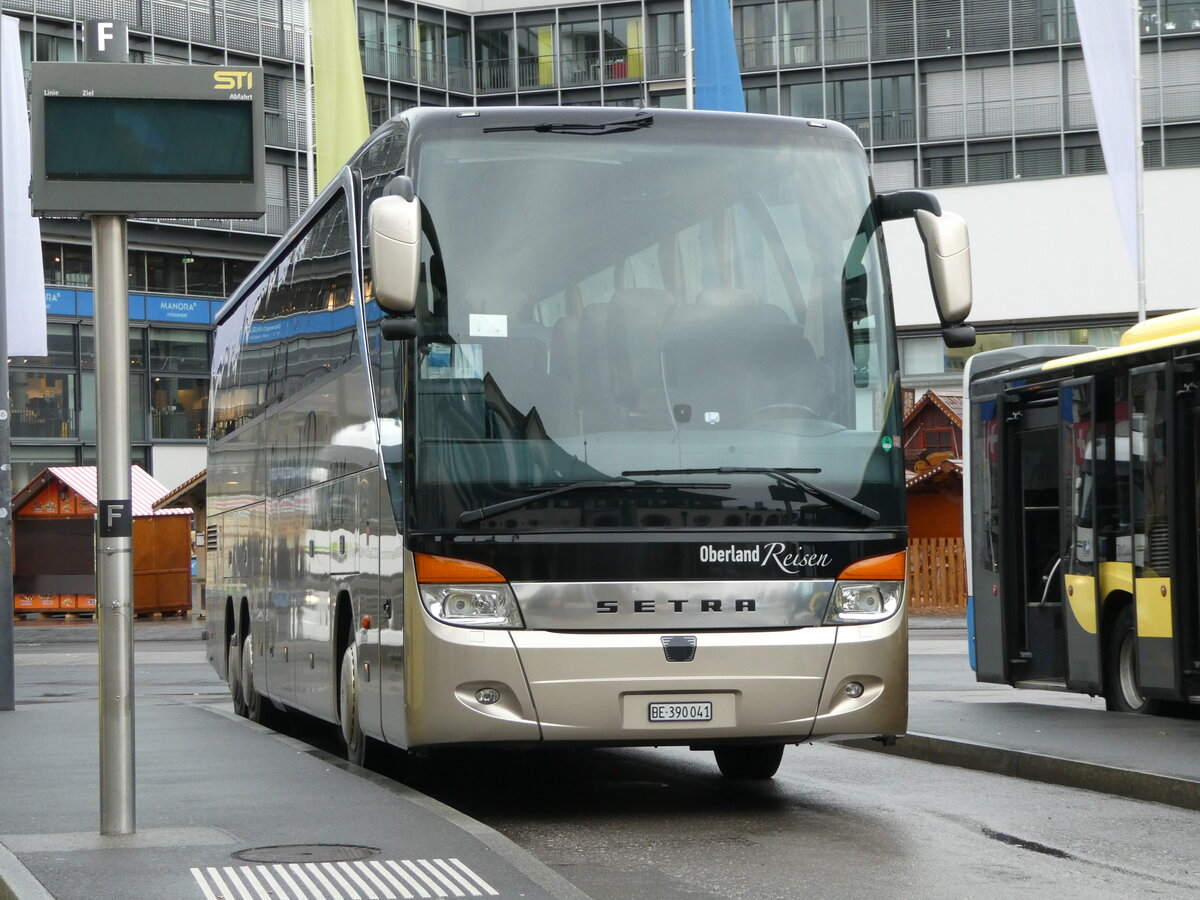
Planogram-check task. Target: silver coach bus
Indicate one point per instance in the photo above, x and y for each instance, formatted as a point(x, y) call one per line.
point(573, 426)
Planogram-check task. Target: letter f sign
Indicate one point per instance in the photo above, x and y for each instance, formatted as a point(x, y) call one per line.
point(116, 518)
point(104, 34)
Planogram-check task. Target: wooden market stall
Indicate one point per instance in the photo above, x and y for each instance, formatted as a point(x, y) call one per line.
point(54, 545)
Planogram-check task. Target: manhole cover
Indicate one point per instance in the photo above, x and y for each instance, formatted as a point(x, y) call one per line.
point(305, 853)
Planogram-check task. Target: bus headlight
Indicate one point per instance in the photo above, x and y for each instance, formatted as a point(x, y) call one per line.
point(473, 605)
point(855, 602)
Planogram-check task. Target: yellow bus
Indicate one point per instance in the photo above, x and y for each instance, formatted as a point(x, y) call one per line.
point(1084, 488)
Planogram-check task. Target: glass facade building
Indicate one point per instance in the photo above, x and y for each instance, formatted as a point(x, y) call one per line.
point(942, 94)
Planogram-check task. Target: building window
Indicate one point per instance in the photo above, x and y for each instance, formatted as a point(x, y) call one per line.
point(137, 407)
point(754, 35)
point(846, 30)
point(43, 404)
point(178, 350)
point(76, 266)
point(29, 462)
point(762, 100)
point(178, 408)
point(493, 55)
point(664, 58)
point(938, 440)
point(939, 171)
point(60, 348)
point(137, 347)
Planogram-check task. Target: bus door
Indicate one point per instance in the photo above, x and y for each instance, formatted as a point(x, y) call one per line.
point(1157, 511)
point(1086, 475)
point(989, 625)
point(1030, 526)
point(1188, 543)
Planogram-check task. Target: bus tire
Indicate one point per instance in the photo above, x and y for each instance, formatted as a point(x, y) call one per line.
point(749, 761)
point(353, 741)
point(1122, 692)
point(257, 706)
point(233, 674)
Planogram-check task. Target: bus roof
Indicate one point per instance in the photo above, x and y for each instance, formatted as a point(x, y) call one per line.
point(1153, 334)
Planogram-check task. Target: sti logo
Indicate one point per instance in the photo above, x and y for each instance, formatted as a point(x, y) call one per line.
point(232, 80)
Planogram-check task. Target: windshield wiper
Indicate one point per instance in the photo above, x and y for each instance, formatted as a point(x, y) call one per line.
point(783, 476)
point(494, 509)
point(617, 126)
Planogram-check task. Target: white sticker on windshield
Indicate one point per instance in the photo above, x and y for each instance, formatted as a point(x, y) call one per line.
point(483, 325)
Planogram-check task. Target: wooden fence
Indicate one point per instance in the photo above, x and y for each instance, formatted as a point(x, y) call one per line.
point(937, 577)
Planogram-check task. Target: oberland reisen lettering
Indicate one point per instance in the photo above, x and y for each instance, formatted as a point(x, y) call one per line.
point(705, 606)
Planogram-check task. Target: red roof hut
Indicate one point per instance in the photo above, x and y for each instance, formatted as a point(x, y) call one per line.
point(54, 545)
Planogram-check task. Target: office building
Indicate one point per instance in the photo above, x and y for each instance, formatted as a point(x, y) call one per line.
point(985, 102)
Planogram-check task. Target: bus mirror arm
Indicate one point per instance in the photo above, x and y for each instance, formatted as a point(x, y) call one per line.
point(394, 224)
point(904, 204)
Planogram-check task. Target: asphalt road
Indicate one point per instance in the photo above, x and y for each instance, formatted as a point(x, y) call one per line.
point(835, 822)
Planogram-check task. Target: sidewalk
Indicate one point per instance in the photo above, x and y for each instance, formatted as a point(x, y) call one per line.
point(226, 809)
point(1049, 736)
point(86, 631)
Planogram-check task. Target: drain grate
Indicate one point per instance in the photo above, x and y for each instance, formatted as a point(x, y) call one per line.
point(307, 853)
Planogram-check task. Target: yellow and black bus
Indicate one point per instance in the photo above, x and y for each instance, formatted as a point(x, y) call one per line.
point(1084, 486)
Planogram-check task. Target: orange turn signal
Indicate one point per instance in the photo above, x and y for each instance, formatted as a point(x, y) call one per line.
point(876, 568)
point(444, 570)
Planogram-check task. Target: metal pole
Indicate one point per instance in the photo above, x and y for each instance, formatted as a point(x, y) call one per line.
point(1138, 162)
point(309, 158)
point(7, 665)
point(689, 63)
point(114, 525)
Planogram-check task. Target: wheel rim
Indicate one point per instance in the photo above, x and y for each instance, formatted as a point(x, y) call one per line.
point(1127, 663)
point(348, 696)
point(248, 670)
point(233, 666)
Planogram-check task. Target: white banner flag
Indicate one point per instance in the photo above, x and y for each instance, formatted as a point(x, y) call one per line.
point(1110, 47)
point(24, 282)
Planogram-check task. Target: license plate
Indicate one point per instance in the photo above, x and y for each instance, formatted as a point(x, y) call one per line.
point(697, 711)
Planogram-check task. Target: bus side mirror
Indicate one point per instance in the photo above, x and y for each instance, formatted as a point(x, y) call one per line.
point(394, 225)
point(948, 255)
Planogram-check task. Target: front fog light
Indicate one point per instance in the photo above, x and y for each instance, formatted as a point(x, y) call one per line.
point(855, 602)
point(472, 605)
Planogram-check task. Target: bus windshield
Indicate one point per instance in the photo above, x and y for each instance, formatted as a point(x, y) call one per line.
point(662, 326)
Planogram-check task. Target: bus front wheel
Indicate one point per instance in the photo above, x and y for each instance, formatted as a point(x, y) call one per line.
point(749, 761)
point(1122, 690)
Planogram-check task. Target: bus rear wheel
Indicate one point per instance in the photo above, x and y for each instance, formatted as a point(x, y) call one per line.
point(233, 674)
point(354, 742)
point(1122, 690)
point(749, 761)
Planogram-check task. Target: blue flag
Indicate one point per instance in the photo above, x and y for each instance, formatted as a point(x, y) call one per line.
point(718, 81)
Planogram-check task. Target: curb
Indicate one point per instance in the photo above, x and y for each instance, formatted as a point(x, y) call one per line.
point(16, 881)
point(1129, 783)
point(514, 854)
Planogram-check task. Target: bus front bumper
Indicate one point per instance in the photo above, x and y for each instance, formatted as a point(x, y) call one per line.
point(614, 688)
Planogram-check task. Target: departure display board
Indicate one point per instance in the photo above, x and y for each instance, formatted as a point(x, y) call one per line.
point(175, 142)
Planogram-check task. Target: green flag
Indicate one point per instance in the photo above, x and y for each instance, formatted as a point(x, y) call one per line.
point(339, 99)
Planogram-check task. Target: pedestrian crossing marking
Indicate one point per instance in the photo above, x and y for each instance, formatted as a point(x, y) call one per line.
point(389, 879)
